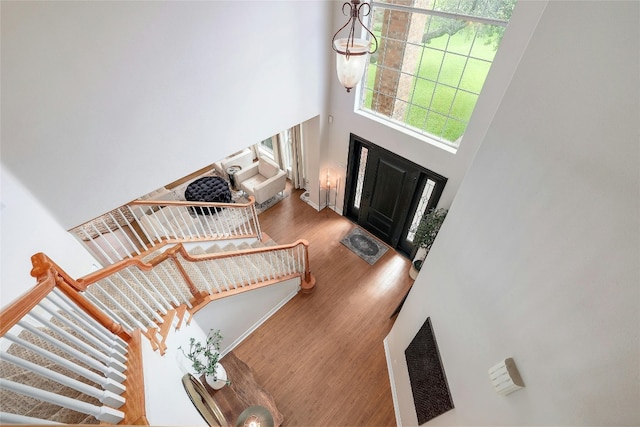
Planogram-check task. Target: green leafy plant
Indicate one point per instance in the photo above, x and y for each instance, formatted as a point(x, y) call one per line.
point(428, 228)
point(204, 357)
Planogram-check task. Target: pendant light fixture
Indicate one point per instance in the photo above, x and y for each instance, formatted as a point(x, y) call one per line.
point(351, 52)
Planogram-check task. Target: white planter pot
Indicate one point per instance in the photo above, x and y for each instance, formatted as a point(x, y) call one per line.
point(219, 380)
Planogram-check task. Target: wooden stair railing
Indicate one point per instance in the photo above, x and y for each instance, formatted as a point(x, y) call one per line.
point(177, 283)
point(141, 226)
point(89, 355)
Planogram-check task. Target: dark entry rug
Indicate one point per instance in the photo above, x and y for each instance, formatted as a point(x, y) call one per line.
point(364, 245)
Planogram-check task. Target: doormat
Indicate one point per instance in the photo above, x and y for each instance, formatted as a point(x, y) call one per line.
point(429, 386)
point(364, 245)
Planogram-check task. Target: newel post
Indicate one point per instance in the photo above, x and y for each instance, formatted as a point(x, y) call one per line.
point(308, 280)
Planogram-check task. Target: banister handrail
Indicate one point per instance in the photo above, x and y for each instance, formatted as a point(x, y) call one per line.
point(139, 202)
point(96, 276)
point(23, 305)
point(189, 203)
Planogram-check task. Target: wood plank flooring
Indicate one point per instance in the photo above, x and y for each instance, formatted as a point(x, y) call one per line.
point(321, 356)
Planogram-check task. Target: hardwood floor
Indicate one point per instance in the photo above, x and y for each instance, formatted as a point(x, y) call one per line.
point(321, 355)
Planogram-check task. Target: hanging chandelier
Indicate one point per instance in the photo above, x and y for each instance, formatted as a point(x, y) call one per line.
point(351, 52)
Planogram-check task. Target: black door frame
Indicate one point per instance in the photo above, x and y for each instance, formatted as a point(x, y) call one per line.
point(355, 145)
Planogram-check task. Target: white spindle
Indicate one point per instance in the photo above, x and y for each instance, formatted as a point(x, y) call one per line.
point(211, 220)
point(160, 230)
point(106, 383)
point(134, 278)
point(166, 224)
point(217, 266)
point(103, 396)
point(7, 418)
point(125, 234)
point(205, 264)
point(85, 333)
point(137, 296)
point(106, 309)
point(164, 286)
point(205, 222)
point(177, 287)
point(116, 303)
point(149, 223)
point(245, 263)
point(181, 212)
point(101, 413)
point(152, 285)
point(198, 267)
point(196, 224)
point(94, 244)
point(84, 347)
point(179, 232)
point(114, 372)
point(136, 234)
point(111, 339)
point(117, 254)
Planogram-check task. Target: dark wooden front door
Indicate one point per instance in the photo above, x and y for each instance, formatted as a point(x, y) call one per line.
point(384, 191)
point(388, 189)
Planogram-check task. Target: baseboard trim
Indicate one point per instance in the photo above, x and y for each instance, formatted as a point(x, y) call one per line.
point(392, 381)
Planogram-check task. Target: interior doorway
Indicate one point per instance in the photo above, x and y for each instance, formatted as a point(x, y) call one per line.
point(387, 194)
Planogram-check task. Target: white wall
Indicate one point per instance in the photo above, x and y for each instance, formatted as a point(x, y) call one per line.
point(236, 317)
point(28, 228)
point(538, 258)
point(105, 101)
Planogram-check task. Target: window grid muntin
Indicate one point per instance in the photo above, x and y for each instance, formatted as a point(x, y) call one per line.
point(378, 8)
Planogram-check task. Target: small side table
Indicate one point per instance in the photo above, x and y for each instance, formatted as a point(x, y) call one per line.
point(231, 171)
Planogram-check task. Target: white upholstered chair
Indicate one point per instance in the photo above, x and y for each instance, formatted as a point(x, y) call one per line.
point(243, 158)
point(262, 180)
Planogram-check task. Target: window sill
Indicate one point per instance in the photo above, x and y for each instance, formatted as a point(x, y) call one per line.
point(386, 122)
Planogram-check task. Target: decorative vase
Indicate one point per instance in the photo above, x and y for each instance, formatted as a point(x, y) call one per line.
point(218, 380)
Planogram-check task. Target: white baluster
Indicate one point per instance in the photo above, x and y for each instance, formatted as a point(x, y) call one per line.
point(176, 286)
point(95, 245)
point(148, 223)
point(87, 336)
point(89, 322)
point(167, 224)
point(88, 294)
point(101, 413)
point(134, 229)
point(125, 234)
point(149, 284)
point(137, 296)
point(106, 383)
point(175, 223)
point(103, 396)
point(198, 267)
point(206, 220)
point(157, 225)
point(196, 224)
point(117, 254)
point(7, 418)
point(97, 287)
point(84, 347)
point(114, 372)
point(164, 286)
point(143, 288)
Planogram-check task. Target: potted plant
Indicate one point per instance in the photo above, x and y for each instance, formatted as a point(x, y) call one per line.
point(205, 359)
point(426, 233)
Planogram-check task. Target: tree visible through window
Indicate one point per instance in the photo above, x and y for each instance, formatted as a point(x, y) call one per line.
point(432, 61)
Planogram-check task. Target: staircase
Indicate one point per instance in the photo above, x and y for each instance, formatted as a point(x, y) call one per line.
point(70, 348)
